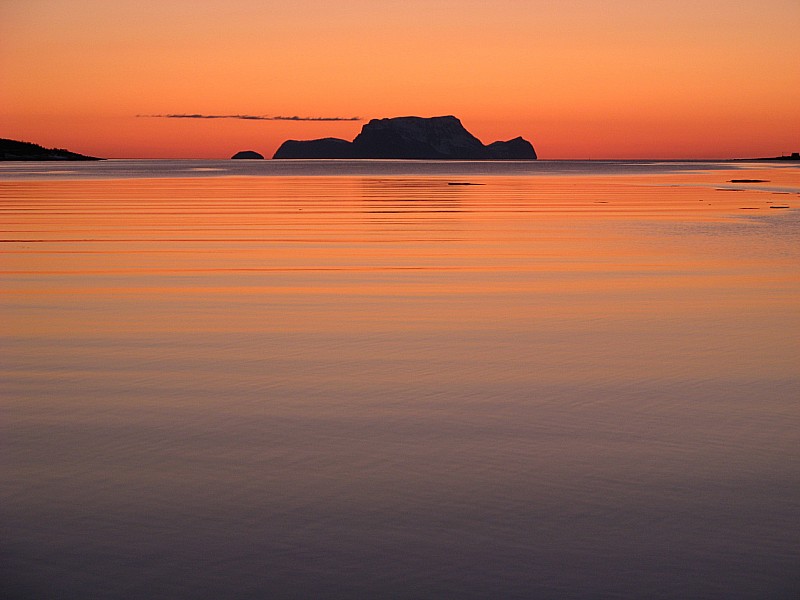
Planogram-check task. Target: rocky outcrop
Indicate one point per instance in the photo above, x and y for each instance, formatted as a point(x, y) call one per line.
point(323, 148)
point(247, 155)
point(435, 138)
point(518, 148)
point(14, 150)
point(418, 138)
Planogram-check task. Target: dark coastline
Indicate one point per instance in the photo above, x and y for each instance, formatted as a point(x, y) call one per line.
point(13, 150)
point(793, 157)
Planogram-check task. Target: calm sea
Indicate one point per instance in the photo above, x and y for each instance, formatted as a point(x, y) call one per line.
point(407, 380)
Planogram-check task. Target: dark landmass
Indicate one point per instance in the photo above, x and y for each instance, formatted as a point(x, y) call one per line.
point(411, 138)
point(792, 156)
point(323, 148)
point(14, 150)
point(515, 149)
point(247, 154)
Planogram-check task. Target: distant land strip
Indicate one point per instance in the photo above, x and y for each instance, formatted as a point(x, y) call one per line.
point(249, 117)
point(16, 150)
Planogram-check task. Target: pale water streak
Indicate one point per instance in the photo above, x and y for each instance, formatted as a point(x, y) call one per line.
point(362, 381)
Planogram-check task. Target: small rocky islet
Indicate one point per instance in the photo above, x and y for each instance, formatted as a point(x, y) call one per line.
point(247, 155)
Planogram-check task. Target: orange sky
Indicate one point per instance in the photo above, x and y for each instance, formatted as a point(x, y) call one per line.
point(580, 79)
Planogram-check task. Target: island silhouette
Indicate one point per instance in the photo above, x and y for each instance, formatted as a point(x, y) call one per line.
point(415, 138)
point(14, 150)
point(247, 155)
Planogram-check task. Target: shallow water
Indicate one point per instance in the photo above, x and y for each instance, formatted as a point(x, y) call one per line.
point(367, 382)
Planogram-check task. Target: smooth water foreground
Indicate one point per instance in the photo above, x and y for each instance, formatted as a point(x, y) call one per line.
point(568, 382)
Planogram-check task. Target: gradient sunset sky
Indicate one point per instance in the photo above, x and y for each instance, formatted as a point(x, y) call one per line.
point(580, 79)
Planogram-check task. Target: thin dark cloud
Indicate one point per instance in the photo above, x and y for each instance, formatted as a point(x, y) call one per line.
point(249, 117)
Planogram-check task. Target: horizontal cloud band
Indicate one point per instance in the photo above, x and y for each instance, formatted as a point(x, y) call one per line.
point(250, 117)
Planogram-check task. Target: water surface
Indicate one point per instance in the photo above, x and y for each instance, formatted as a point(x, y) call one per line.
point(327, 380)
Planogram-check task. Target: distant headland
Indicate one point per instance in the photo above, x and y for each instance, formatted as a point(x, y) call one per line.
point(415, 138)
point(792, 156)
point(14, 150)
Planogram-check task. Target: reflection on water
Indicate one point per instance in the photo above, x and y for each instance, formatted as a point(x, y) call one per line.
point(388, 386)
